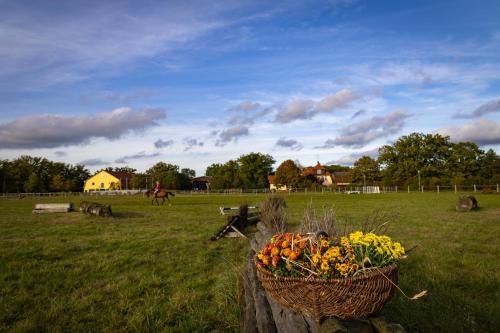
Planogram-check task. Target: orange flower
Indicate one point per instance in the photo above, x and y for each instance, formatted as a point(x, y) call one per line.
point(286, 252)
point(294, 255)
point(285, 244)
point(275, 251)
point(276, 260)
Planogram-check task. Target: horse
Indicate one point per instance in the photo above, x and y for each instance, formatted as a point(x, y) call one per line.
point(160, 194)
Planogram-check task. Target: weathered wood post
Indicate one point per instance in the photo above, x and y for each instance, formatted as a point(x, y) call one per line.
point(474, 188)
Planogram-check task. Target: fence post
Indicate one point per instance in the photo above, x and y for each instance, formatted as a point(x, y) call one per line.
point(497, 188)
point(422, 188)
point(474, 188)
point(408, 188)
point(455, 188)
point(396, 188)
point(438, 188)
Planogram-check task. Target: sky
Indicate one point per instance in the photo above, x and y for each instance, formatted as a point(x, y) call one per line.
point(122, 83)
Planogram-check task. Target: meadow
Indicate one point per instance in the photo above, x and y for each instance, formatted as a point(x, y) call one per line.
point(154, 269)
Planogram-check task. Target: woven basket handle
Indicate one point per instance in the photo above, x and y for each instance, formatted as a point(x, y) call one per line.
point(321, 233)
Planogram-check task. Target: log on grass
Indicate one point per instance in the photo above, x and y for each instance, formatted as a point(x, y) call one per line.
point(95, 208)
point(53, 208)
point(466, 203)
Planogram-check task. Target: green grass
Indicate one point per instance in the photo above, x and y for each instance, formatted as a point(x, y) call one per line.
point(152, 269)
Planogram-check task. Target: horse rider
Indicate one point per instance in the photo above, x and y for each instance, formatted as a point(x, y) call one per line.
point(157, 187)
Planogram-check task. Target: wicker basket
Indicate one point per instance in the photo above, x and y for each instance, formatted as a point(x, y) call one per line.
point(346, 298)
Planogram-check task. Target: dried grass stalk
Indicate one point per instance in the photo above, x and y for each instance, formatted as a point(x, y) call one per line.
point(272, 214)
point(378, 221)
point(327, 222)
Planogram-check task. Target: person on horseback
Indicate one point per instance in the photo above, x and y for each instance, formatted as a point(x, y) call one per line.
point(157, 187)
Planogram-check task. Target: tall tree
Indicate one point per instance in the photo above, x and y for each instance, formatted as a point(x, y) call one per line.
point(413, 155)
point(166, 174)
point(490, 167)
point(190, 173)
point(365, 171)
point(254, 169)
point(288, 173)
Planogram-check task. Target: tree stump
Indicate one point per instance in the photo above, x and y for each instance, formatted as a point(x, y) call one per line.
point(466, 203)
point(95, 208)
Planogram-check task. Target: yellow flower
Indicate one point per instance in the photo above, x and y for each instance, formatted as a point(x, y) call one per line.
point(324, 266)
point(316, 257)
point(332, 253)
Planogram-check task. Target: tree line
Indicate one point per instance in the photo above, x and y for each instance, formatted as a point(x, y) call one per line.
point(247, 172)
point(36, 174)
point(428, 160)
point(412, 160)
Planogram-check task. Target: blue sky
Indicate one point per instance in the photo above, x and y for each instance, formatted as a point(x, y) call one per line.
point(199, 82)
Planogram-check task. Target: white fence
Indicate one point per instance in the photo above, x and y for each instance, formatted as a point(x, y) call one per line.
point(353, 189)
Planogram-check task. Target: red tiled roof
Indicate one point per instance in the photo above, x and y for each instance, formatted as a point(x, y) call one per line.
point(121, 175)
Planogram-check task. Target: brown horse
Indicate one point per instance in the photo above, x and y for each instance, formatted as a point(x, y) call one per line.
point(161, 195)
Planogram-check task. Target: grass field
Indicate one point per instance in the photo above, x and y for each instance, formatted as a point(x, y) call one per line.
point(152, 269)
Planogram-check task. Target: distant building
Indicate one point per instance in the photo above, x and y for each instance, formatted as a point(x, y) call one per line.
point(111, 180)
point(201, 183)
point(272, 184)
point(102, 181)
point(341, 178)
point(125, 179)
point(320, 173)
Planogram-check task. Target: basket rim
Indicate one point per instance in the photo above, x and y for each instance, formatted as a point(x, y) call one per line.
point(377, 272)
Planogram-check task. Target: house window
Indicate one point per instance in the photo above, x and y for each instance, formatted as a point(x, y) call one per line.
point(93, 183)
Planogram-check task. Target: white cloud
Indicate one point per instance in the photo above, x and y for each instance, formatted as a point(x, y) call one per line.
point(489, 107)
point(353, 157)
point(38, 44)
point(93, 162)
point(140, 155)
point(307, 109)
point(231, 134)
point(246, 106)
point(288, 143)
point(163, 143)
point(482, 132)
point(50, 131)
point(191, 142)
point(362, 133)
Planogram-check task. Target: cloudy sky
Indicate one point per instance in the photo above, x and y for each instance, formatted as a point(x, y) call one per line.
point(117, 83)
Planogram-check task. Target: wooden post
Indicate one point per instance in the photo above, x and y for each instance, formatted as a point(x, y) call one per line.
point(396, 188)
point(408, 188)
point(437, 188)
point(474, 188)
point(497, 188)
point(422, 188)
point(455, 188)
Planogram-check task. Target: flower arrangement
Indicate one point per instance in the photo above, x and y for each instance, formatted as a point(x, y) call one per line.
point(305, 255)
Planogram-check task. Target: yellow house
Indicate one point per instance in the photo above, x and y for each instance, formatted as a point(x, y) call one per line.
point(102, 181)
